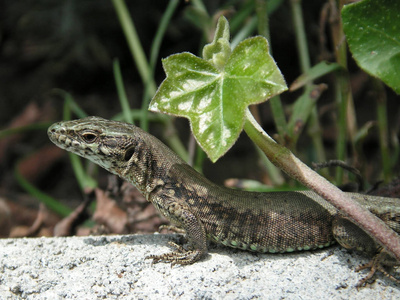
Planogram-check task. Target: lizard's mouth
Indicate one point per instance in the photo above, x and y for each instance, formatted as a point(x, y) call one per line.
point(57, 134)
point(66, 140)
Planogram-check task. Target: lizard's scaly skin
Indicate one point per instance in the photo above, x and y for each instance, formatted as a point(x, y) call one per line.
point(274, 222)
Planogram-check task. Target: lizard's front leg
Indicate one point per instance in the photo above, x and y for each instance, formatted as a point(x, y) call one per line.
point(350, 236)
point(179, 213)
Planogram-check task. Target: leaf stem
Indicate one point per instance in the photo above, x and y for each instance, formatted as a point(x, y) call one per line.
point(284, 159)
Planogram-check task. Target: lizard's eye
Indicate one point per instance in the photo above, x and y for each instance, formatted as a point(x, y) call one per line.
point(89, 137)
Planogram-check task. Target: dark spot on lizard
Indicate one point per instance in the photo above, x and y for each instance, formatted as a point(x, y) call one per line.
point(111, 143)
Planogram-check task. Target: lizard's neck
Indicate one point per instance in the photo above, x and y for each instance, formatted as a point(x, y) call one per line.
point(149, 163)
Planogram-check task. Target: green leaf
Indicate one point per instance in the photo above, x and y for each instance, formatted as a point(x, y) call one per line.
point(302, 109)
point(372, 28)
point(219, 50)
point(315, 72)
point(214, 100)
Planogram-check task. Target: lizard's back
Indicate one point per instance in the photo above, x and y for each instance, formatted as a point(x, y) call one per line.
point(262, 222)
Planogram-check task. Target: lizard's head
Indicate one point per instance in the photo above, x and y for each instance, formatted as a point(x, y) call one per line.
point(102, 141)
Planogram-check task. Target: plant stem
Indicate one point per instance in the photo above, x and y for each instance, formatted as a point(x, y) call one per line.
point(344, 99)
point(49, 201)
point(123, 99)
point(278, 113)
point(383, 127)
point(341, 100)
point(263, 19)
point(305, 65)
point(300, 33)
point(291, 165)
point(155, 49)
point(134, 44)
point(275, 102)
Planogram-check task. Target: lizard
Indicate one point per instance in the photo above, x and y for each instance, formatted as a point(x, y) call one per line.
point(268, 222)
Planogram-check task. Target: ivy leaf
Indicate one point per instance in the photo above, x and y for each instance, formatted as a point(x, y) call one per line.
point(215, 97)
point(219, 50)
point(372, 29)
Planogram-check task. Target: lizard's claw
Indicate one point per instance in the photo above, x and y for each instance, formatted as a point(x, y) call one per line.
point(177, 257)
point(380, 262)
point(181, 256)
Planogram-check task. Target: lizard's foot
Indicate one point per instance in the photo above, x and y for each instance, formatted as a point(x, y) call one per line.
point(181, 256)
point(380, 262)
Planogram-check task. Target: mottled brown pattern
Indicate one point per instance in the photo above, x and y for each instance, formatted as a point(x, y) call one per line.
point(261, 222)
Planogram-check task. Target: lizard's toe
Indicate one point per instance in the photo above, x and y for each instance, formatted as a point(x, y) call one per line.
point(382, 262)
point(181, 257)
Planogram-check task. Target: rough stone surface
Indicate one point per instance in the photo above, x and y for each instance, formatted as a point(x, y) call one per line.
point(114, 267)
